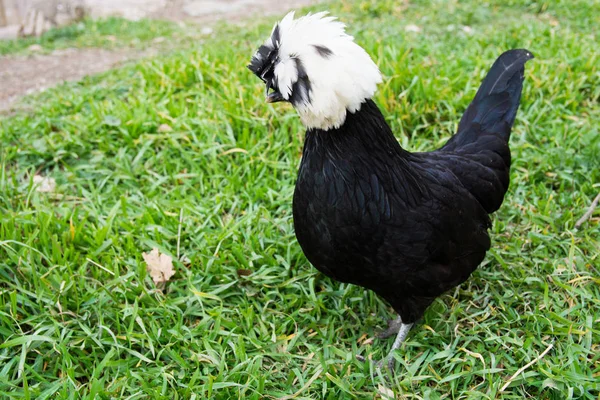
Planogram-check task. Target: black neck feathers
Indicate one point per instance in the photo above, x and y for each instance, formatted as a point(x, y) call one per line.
point(363, 132)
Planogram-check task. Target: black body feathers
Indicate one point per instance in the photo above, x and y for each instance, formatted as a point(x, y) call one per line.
point(408, 226)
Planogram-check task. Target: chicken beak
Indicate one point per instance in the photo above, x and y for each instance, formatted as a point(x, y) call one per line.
point(274, 96)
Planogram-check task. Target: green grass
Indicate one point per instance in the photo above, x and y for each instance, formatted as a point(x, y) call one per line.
point(106, 33)
point(80, 317)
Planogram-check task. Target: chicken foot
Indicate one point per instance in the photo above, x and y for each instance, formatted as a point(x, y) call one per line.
point(395, 327)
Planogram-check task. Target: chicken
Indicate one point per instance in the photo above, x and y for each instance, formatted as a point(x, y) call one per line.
point(408, 226)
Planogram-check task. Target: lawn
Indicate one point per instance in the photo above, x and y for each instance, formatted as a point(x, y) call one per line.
point(181, 153)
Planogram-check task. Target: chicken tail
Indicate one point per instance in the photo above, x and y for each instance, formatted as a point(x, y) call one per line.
point(494, 108)
point(482, 155)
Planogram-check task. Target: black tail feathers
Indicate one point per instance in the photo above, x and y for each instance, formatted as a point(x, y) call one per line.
point(484, 130)
point(494, 108)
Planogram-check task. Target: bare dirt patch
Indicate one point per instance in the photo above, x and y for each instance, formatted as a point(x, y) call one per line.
point(23, 75)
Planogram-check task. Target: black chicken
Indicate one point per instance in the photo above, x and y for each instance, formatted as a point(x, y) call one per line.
point(409, 226)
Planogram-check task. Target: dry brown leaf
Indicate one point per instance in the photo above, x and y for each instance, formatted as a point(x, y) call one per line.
point(159, 266)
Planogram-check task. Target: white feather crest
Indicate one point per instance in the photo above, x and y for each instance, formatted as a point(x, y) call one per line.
point(341, 78)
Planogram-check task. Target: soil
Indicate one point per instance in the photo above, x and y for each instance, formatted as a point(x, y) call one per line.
point(22, 75)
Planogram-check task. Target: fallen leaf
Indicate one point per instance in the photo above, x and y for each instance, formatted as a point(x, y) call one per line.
point(244, 272)
point(44, 184)
point(159, 266)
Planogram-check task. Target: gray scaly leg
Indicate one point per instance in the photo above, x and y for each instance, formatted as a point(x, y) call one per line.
point(402, 334)
point(392, 329)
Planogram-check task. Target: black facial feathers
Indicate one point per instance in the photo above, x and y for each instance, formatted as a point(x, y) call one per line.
point(262, 59)
point(301, 88)
point(265, 57)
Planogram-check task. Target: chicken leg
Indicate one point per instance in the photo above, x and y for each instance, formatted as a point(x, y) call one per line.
point(392, 329)
point(395, 327)
point(402, 334)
